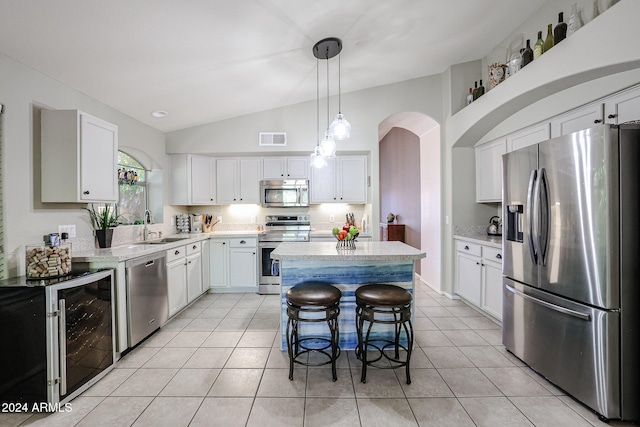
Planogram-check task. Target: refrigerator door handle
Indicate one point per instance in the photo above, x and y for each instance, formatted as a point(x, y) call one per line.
point(533, 250)
point(62, 339)
point(545, 216)
point(554, 307)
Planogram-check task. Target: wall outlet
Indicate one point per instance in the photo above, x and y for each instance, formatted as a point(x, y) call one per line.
point(219, 219)
point(253, 219)
point(332, 218)
point(69, 229)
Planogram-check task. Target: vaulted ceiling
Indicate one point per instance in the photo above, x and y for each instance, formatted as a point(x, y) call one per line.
point(208, 60)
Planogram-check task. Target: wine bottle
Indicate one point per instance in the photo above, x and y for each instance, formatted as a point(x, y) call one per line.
point(548, 42)
point(560, 32)
point(574, 20)
point(527, 55)
point(480, 89)
point(470, 96)
point(475, 91)
point(538, 48)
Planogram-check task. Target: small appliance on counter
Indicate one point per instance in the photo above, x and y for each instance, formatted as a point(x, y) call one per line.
point(196, 223)
point(495, 226)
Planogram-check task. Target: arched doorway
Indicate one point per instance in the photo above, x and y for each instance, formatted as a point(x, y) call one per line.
point(409, 153)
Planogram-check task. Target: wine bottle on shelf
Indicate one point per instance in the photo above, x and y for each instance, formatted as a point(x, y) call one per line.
point(475, 91)
point(538, 48)
point(574, 20)
point(548, 42)
point(560, 32)
point(470, 96)
point(527, 54)
point(480, 89)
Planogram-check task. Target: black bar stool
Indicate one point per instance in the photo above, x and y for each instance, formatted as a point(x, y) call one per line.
point(384, 304)
point(313, 302)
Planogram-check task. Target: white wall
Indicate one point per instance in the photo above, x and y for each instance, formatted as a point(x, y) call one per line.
point(431, 207)
point(24, 92)
point(365, 109)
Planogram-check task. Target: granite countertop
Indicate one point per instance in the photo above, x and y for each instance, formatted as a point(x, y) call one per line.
point(137, 249)
point(327, 251)
point(479, 237)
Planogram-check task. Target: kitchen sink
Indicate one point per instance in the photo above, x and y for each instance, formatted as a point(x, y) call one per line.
point(162, 240)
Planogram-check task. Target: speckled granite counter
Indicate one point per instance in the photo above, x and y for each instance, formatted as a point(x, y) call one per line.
point(365, 251)
point(137, 249)
point(478, 237)
point(370, 262)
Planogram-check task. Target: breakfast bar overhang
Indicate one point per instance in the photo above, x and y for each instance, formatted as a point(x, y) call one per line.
point(347, 269)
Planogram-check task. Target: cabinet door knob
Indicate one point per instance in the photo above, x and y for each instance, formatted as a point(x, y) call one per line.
point(242, 242)
point(499, 256)
point(85, 192)
point(466, 248)
point(611, 116)
point(194, 246)
point(477, 263)
point(176, 253)
point(596, 121)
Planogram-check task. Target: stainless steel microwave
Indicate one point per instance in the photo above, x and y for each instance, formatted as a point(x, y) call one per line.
point(284, 193)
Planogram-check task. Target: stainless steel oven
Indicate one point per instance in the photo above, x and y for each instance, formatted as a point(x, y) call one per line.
point(278, 229)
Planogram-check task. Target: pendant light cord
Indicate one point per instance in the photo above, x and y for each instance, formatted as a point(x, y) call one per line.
point(327, 88)
point(339, 86)
point(318, 102)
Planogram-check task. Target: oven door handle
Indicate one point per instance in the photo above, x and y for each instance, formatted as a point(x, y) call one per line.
point(275, 268)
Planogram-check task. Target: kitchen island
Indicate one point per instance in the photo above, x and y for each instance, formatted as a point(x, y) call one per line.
point(370, 262)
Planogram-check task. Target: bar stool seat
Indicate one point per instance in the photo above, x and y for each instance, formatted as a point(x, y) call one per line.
point(312, 302)
point(383, 304)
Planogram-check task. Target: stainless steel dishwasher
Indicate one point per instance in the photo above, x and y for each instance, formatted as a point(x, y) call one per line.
point(147, 302)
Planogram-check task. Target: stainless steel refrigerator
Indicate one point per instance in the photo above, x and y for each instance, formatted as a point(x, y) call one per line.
point(571, 266)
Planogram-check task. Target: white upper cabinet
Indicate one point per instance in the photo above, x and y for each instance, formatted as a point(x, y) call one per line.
point(489, 170)
point(238, 180)
point(285, 167)
point(623, 107)
point(528, 136)
point(579, 119)
point(342, 180)
point(193, 180)
point(79, 158)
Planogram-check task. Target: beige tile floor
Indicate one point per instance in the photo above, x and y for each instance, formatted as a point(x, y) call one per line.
point(218, 363)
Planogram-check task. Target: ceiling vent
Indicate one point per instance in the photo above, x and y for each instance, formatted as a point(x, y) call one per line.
point(273, 138)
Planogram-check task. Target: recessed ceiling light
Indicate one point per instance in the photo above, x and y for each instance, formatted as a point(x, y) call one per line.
point(159, 114)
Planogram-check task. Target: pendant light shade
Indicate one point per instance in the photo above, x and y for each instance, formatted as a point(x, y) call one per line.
point(328, 145)
point(316, 159)
point(340, 127)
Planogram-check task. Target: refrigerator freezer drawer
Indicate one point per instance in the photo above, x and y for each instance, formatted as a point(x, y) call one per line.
point(576, 347)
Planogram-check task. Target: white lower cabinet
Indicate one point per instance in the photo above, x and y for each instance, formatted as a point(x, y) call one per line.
point(479, 276)
point(234, 264)
point(184, 276)
point(176, 279)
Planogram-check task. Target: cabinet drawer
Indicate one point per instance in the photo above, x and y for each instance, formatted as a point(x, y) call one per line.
point(176, 253)
point(243, 242)
point(468, 248)
point(492, 254)
point(193, 247)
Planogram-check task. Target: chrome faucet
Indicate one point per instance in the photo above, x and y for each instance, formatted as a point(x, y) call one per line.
point(145, 231)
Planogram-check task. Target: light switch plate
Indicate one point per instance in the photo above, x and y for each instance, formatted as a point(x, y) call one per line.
point(69, 229)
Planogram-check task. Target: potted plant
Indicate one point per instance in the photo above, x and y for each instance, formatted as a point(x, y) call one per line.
point(103, 220)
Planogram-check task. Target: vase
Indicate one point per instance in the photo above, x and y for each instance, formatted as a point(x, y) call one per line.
point(104, 237)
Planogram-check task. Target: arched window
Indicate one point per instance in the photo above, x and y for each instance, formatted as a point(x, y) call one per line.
point(132, 181)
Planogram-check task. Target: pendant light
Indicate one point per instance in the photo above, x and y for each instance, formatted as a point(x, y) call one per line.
point(326, 49)
point(316, 159)
point(328, 145)
point(340, 127)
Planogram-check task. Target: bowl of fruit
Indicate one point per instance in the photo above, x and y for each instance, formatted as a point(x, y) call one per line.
point(346, 236)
